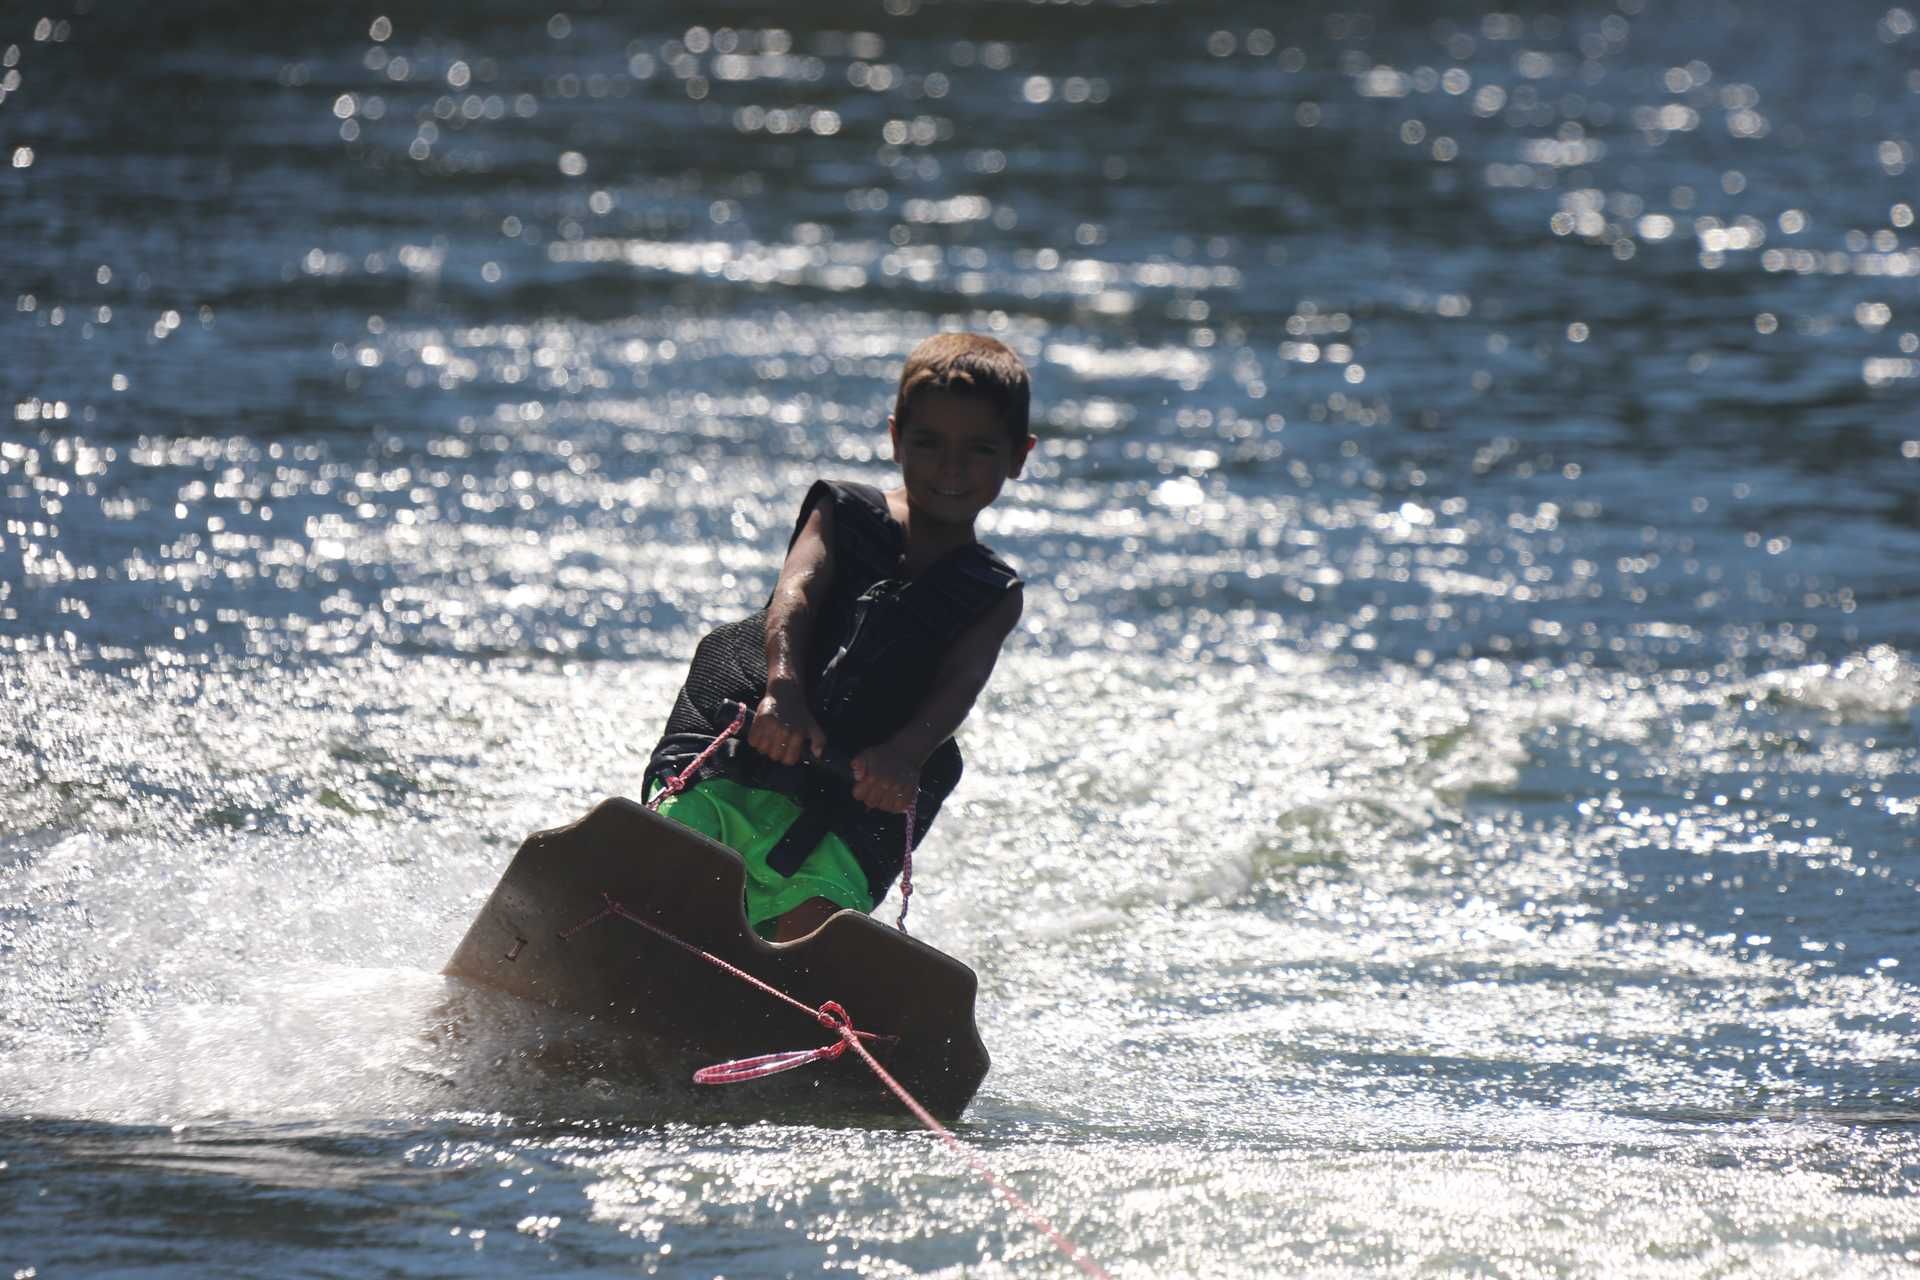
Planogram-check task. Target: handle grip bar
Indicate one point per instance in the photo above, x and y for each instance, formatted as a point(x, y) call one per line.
point(835, 762)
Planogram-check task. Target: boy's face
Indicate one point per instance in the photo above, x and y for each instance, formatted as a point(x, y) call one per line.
point(955, 454)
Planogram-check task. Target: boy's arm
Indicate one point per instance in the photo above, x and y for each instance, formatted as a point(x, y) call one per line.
point(887, 776)
point(783, 725)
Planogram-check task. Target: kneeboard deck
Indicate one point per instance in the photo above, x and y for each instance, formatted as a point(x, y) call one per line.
point(672, 1009)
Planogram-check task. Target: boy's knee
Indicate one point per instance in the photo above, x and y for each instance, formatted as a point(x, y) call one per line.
point(803, 919)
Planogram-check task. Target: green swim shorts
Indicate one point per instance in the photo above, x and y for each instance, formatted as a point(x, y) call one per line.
point(750, 821)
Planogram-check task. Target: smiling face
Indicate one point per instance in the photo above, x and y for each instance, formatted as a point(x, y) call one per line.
point(955, 454)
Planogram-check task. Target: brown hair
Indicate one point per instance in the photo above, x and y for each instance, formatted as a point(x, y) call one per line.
point(968, 364)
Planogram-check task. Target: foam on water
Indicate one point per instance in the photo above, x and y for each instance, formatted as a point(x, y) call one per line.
point(1154, 923)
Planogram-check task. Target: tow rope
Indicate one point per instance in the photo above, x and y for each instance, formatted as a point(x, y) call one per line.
point(835, 1018)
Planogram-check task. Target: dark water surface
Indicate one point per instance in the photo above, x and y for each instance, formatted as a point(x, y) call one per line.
point(1450, 809)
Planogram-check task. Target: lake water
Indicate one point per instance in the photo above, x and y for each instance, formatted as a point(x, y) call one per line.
point(1450, 808)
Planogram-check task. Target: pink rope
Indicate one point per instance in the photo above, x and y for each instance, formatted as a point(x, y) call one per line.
point(772, 1064)
point(767, 1064)
point(1074, 1253)
point(829, 1015)
point(833, 1017)
point(906, 867)
point(678, 783)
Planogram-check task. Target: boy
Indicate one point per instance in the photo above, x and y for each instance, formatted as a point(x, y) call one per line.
point(881, 632)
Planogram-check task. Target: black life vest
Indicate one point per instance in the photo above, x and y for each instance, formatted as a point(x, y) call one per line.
point(878, 644)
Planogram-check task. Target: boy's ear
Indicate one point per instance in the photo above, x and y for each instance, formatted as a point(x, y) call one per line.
point(1020, 456)
point(893, 434)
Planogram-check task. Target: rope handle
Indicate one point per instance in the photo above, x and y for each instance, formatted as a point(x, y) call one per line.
point(832, 761)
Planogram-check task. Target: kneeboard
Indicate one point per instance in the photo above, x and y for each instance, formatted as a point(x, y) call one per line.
point(672, 1009)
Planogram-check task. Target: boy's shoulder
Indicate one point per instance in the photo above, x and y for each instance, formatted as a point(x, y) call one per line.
point(844, 496)
point(848, 507)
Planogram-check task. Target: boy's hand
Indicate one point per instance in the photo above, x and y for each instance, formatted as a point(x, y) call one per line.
point(885, 778)
point(784, 729)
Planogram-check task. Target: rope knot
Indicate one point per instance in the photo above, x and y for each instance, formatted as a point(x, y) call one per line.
point(686, 777)
point(833, 1017)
